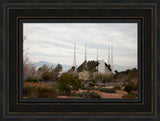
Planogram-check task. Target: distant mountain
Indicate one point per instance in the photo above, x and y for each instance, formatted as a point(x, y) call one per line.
point(122, 68)
point(67, 67)
point(41, 63)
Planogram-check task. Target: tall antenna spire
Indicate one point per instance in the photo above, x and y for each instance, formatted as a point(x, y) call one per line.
point(97, 54)
point(97, 60)
point(108, 53)
point(85, 58)
point(74, 60)
point(112, 57)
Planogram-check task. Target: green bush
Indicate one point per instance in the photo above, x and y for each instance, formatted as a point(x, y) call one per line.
point(46, 76)
point(41, 79)
point(67, 82)
point(107, 90)
point(91, 84)
point(88, 95)
point(130, 95)
point(30, 80)
point(130, 86)
point(87, 88)
point(117, 87)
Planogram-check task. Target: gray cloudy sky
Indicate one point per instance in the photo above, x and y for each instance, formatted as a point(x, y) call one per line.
point(54, 42)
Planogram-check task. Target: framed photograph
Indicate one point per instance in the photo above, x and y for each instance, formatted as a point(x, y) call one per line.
point(79, 60)
point(70, 68)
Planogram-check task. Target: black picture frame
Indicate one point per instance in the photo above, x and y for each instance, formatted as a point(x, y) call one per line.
point(14, 13)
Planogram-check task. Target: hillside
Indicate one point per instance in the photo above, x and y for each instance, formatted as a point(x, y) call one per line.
point(41, 63)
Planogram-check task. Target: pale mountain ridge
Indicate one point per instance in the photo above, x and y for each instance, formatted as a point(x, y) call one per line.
point(67, 67)
point(41, 63)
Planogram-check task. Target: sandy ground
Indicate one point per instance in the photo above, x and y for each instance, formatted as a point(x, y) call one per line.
point(63, 97)
point(117, 95)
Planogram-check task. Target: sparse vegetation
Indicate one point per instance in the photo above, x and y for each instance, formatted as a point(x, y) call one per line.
point(91, 84)
point(49, 73)
point(87, 88)
point(88, 95)
point(117, 87)
point(67, 82)
point(34, 90)
point(30, 80)
point(130, 86)
point(85, 82)
point(130, 95)
point(107, 90)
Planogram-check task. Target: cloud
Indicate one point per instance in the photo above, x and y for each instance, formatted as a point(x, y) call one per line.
point(53, 42)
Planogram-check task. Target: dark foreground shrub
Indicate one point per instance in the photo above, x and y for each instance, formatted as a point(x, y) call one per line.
point(87, 88)
point(45, 92)
point(30, 80)
point(117, 87)
point(88, 95)
point(39, 92)
point(107, 90)
point(130, 86)
point(30, 92)
point(130, 95)
point(91, 84)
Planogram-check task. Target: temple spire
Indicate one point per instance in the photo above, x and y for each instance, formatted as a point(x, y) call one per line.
point(112, 58)
point(74, 59)
point(108, 53)
point(97, 54)
point(85, 58)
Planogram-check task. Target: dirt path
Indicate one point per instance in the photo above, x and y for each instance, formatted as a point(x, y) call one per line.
point(62, 96)
point(117, 95)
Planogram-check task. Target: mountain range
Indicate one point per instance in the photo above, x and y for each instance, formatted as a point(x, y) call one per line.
point(67, 67)
point(41, 63)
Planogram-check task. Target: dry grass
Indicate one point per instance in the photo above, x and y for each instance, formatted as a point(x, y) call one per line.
point(34, 84)
point(37, 90)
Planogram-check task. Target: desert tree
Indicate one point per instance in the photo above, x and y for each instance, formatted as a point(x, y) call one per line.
point(107, 78)
point(85, 76)
point(49, 73)
point(29, 70)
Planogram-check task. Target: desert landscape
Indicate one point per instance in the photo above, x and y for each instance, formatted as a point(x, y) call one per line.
point(80, 60)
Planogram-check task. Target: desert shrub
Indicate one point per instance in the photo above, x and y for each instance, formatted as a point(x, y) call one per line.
point(130, 95)
point(132, 74)
point(87, 88)
point(45, 92)
point(73, 94)
point(39, 92)
point(91, 84)
point(49, 73)
point(30, 92)
point(41, 79)
point(67, 82)
point(88, 95)
point(117, 87)
point(30, 80)
point(45, 76)
point(107, 90)
point(130, 86)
